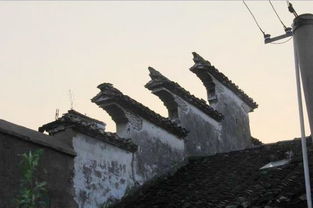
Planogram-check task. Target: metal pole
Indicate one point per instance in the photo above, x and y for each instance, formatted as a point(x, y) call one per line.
point(303, 140)
point(303, 40)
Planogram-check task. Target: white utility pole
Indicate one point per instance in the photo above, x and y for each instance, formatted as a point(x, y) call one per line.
point(303, 46)
point(303, 140)
point(303, 52)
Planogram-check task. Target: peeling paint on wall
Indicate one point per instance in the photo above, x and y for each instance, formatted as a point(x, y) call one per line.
point(158, 150)
point(102, 172)
point(235, 125)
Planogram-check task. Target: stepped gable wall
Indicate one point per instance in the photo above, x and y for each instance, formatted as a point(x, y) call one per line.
point(226, 97)
point(202, 121)
point(160, 141)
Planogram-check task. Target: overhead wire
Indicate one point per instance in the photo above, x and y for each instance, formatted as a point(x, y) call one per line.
point(267, 36)
point(255, 20)
point(277, 14)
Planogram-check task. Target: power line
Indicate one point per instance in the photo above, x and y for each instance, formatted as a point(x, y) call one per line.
point(277, 14)
point(267, 37)
point(255, 20)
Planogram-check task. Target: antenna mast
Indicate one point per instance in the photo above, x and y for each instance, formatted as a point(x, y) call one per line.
point(71, 99)
point(56, 114)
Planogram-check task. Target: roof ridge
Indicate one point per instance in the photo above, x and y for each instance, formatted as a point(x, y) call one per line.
point(74, 112)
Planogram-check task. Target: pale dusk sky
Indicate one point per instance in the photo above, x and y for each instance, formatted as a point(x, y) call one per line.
point(51, 47)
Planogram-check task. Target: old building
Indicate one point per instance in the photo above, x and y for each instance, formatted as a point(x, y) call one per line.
point(100, 167)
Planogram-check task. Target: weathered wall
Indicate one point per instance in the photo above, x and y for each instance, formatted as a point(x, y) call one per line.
point(227, 98)
point(159, 140)
point(235, 125)
point(55, 167)
point(102, 172)
point(109, 164)
point(204, 132)
point(158, 150)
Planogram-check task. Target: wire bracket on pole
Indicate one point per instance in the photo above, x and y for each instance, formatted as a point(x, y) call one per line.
point(268, 39)
point(288, 30)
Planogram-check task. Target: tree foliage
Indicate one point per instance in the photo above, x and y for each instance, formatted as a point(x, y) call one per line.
point(32, 193)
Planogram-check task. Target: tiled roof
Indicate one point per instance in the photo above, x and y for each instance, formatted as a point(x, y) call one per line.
point(85, 118)
point(202, 67)
point(230, 180)
point(158, 80)
point(87, 126)
point(111, 94)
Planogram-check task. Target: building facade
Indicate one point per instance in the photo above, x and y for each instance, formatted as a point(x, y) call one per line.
point(104, 166)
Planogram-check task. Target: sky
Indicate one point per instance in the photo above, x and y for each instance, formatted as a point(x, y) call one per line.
point(49, 48)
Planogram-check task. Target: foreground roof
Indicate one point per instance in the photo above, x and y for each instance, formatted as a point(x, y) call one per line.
point(231, 180)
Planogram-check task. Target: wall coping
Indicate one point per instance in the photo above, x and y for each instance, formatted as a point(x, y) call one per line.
point(109, 94)
point(158, 80)
point(79, 123)
point(35, 137)
point(202, 67)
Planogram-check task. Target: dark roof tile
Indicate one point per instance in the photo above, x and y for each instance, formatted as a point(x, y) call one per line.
point(229, 180)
